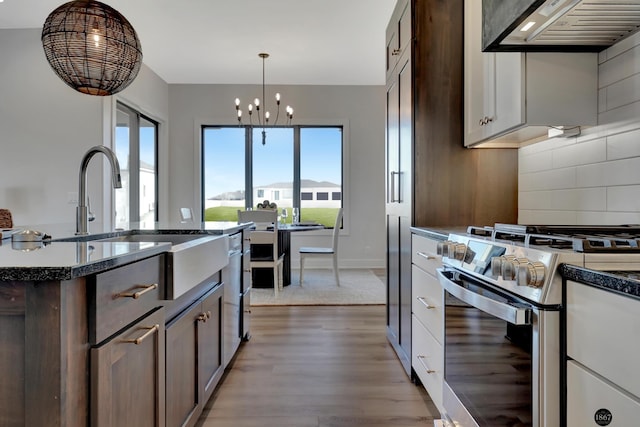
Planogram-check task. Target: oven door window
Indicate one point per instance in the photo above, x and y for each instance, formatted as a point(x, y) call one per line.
point(488, 365)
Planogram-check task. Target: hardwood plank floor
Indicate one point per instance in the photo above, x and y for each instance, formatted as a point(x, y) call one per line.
point(311, 366)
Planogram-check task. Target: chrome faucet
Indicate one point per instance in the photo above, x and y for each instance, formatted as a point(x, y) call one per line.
point(82, 212)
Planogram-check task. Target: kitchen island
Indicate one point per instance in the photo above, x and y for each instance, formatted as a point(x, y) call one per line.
point(89, 335)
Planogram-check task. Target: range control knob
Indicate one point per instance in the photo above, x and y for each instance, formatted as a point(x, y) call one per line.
point(509, 269)
point(531, 273)
point(457, 251)
point(441, 248)
point(496, 264)
point(451, 249)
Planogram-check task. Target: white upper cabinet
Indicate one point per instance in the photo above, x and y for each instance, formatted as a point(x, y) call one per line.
point(512, 98)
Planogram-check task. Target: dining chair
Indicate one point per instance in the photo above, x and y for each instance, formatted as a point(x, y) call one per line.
point(265, 234)
point(267, 205)
point(186, 215)
point(323, 251)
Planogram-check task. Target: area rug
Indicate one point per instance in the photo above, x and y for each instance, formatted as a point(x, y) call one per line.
point(357, 287)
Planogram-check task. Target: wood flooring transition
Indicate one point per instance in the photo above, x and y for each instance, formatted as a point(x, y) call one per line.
point(317, 366)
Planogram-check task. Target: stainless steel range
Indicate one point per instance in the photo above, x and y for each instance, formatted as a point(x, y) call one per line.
point(503, 301)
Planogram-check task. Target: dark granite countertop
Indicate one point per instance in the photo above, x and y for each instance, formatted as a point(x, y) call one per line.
point(67, 256)
point(438, 233)
point(622, 282)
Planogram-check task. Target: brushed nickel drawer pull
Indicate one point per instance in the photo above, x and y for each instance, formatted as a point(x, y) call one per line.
point(136, 295)
point(425, 255)
point(424, 364)
point(144, 336)
point(426, 304)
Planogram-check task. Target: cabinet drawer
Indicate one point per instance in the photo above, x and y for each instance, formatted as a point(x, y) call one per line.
point(423, 254)
point(427, 359)
point(590, 397)
point(122, 295)
point(427, 301)
point(603, 334)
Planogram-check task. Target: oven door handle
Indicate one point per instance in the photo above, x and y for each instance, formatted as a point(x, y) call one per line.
point(507, 312)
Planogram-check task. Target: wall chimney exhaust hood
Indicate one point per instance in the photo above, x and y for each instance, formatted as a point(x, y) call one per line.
point(557, 25)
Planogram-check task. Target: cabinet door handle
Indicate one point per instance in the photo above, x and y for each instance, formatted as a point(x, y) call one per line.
point(202, 317)
point(424, 364)
point(426, 304)
point(144, 336)
point(396, 52)
point(393, 187)
point(136, 295)
point(425, 255)
point(485, 120)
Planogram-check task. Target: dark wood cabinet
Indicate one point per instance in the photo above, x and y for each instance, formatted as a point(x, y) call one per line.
point(210, 333)
point(399, 183)
point(127, 376)
point(431, 178)
point(194, 358)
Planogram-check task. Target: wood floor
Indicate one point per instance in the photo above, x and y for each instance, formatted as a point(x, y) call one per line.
point(317, 367)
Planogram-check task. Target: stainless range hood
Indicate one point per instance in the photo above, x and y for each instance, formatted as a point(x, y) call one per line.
point(558, 25)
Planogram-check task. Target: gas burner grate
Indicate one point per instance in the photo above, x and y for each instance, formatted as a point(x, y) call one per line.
point(606, 244)
point(592, 239)
point(556, 242)
point(475, 230)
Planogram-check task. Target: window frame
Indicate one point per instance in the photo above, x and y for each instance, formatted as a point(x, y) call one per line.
point(134, 153)
point(342, 125)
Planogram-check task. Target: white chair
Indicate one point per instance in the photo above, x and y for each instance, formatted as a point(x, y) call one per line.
point(265, 233)
point(324, 252)
point(186, 215)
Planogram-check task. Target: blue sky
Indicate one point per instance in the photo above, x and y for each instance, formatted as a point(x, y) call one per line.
point(273, 162)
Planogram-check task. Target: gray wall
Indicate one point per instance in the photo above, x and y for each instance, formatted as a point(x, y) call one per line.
point(46, 127)
point(361, 108)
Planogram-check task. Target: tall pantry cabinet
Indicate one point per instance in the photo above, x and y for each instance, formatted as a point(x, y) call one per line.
point(399, 185)
point(432, 180)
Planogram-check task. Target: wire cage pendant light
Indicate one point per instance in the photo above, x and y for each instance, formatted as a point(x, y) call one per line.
point(92, 47)
point(263, 115)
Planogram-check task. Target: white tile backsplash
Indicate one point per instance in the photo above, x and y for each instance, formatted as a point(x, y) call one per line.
point(623, 92)
point(623, 198)
point(579, 154)
point(607, 218)
point(535, 162)
point(594, 178)
point(624, 145)
point(554, 179)
point(547, 217)
point(619, 67)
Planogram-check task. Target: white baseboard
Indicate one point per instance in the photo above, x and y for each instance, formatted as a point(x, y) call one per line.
point(342, 263)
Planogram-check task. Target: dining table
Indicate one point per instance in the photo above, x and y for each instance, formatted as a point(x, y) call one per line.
point(263, 277)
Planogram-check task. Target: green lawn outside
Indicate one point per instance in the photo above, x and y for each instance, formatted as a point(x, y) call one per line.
point(324, 216)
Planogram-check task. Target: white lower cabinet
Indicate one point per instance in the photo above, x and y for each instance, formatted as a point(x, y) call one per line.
point(594, 401)
point(603, 343)
point(427, 297)
point(427, 361)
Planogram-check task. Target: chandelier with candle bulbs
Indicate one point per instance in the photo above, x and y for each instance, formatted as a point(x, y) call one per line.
point(263, 114)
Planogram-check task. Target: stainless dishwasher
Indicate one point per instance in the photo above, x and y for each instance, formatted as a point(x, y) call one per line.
point(232, 279)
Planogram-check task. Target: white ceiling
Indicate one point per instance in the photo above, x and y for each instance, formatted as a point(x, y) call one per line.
point(315, 42)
